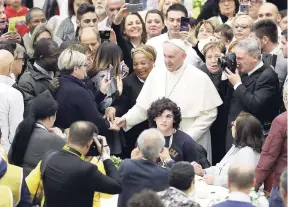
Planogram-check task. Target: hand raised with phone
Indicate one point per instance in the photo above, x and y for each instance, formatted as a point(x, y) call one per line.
point(121, 14)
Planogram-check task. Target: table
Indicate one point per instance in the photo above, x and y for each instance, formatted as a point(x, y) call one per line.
point(211, 191)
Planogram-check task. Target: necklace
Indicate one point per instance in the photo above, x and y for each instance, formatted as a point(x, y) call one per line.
point(171, 138)
point(174, 85)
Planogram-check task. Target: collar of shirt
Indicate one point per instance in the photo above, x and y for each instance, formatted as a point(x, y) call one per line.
point(276, 51)
point(238, 196)
point(7, 80)
point(179, 71)
point(259, 65)
point(41, 126)
point(12, 76)
point(140, 80)
point(42, 70)
point(73, 20)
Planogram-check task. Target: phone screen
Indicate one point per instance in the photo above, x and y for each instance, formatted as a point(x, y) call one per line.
point(135, 7)
point(244, 9)
point(184, 24)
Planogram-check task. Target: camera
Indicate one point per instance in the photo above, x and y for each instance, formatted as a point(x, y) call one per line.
point(104, 35)
point(93, 151)
point(228, 61)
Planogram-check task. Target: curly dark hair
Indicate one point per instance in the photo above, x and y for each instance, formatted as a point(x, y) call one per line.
point(159, 106)
point(248, 132)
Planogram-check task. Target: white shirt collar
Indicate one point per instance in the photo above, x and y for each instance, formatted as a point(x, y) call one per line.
point(276, 51)
point(238, 196)
point(140, 79)
point(7, 80)
point(259, 65)
point(179, 71)
point(41, 126)
point(12, 75)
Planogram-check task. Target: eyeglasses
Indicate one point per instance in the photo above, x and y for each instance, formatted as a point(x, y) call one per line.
point(252, 2)
point(242, 27)
point(84, 65)
point(226, 1)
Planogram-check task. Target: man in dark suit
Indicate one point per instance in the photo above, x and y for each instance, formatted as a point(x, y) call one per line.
point(256, 91)
point(145, 173)
point(67, 178)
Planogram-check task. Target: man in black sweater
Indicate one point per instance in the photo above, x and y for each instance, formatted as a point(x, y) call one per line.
point(68, 179)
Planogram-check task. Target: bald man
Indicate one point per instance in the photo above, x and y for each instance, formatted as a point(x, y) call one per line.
point(270, 11)
point(240, 181)
point(11, 101)
point(90, 36)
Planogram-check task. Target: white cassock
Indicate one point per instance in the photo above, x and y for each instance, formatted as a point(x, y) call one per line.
point(158, 44)
point(192, 90)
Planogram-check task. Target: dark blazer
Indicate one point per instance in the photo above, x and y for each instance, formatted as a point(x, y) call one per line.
point(131, 89)
point(70, 181)
point(137, 175)
point(125, 46)
point(258, 95)
point(76, 103)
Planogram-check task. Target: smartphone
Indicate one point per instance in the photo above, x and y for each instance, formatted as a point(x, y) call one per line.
point(109, 72)
point(185, 22)
point(135, 7)
point(244, 8)
point(11, 29)
point(104, 35)
point(269, 59)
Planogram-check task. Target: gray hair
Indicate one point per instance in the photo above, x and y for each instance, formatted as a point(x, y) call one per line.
point(39, 29)
point(28, 15)
point(251, 46)
point(94, 30)
point(150, 143)
point(70, 58)
point(283, 180)
point(241, 176)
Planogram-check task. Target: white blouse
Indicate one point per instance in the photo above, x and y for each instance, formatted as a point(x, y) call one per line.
point(235, 155)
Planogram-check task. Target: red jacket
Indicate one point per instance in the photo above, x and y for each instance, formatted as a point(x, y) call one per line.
point(274, 152)
point(20, 26)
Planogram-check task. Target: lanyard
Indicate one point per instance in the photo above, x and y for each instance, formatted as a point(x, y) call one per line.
point(74, 151)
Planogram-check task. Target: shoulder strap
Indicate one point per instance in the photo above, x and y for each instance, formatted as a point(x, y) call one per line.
point(45, 161)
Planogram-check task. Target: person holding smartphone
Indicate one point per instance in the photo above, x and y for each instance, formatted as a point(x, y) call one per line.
point(75, 180)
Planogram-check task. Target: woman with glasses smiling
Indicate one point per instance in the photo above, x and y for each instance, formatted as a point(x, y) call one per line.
point(242, 26)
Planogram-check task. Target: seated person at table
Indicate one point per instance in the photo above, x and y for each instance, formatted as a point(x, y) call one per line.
point(240, 181)
point(165, 115)
point(181, 182)
point(248, 135)
point(140, 174)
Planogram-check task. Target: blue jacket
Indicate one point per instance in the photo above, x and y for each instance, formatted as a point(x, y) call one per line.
point(76, 103)
point(25, 199)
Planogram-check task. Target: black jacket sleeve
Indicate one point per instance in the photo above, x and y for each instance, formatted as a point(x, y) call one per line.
point(190, 152)
point(121, 105)
point(109, 183)
point(90, 112)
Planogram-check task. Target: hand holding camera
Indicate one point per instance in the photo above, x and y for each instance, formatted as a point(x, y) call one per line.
point(102, 146)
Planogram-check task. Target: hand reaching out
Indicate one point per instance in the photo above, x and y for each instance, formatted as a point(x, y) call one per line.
point(121, 122)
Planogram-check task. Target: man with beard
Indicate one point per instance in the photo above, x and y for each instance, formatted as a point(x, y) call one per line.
point(100, 10)
point(40, 71)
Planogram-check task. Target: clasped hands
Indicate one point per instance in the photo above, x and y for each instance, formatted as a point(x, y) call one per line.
point(209, 179)
point(115, 122)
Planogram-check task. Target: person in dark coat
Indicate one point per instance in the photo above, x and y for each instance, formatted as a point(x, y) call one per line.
point(137, 175)
point(68, 179)
point(212, 52)
point(75, 101)
point(40, 72)
point(125, 40)
point(212, 8)
point(256, 91)
point(132, 86)
point(35, 136)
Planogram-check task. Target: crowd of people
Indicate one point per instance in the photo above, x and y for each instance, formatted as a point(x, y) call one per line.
point(175, 95)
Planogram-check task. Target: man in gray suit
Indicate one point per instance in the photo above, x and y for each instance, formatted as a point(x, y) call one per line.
point(266, 32)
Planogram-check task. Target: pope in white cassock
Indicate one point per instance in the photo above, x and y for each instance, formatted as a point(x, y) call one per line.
point(191, 89)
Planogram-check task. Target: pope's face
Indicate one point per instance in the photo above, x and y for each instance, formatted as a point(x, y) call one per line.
point(173, 56)
point(164, 122)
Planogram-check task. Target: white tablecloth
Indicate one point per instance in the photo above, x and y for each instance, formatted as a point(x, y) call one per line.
point(211, 192)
